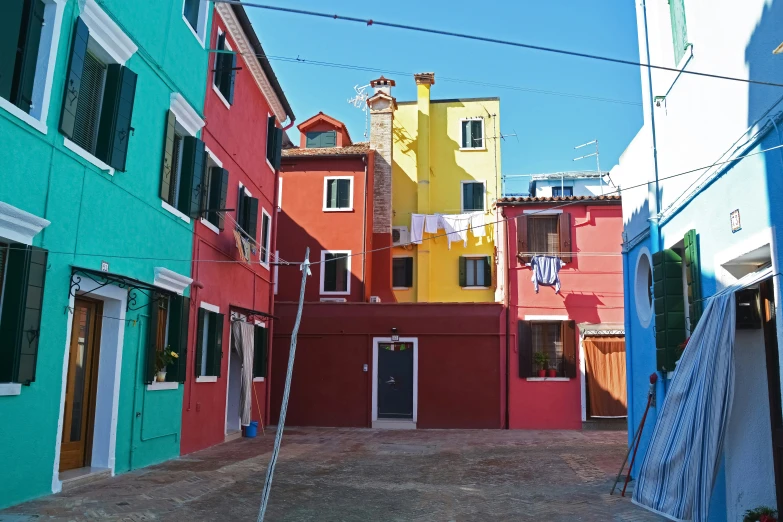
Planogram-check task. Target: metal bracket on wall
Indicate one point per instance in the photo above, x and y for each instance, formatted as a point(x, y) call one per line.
point(103, 279)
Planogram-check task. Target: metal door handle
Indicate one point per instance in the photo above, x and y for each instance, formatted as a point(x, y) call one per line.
point(391, 381)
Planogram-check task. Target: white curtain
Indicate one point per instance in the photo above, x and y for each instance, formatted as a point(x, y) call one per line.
point(243, 346)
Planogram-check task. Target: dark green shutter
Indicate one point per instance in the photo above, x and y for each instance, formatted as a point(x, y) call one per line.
point(152, 337)
point(20, 317)
point(270, 139)
point(278, 148)
point(488, 271)
point(218, 189)
point(202, 317)
point(343, 193)
point(569, 349)
point(10, 29)
point(467, 195)
point(27, 57)
point(119, 94)
point(330, 273)
point(408, 272)
point(465, 134)
point(693, 276)
point(564, 231)
point(669, 307)
point(73, 78)
point(478, 196)
point(523, 243)
point(217, 74)
point(252, 217)
point(241, 208)
point(260, 351)
point(215, 353)
point(191, 176)
point(525, 349)
point(179, 320)
point(463, 271)
point(231, 75)
point(476, 137)
point(679, 29)
point(168, 157)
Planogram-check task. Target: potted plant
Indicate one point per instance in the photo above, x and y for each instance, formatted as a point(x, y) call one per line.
point(165, 357)
point(761, 514)
point(542, 360)
point(552, 371)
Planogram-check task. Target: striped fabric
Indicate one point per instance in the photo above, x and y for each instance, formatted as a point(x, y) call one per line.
point(678, 473)
point(243, 337)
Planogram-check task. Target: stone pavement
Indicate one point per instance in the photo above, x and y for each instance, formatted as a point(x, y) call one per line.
point(332, 474)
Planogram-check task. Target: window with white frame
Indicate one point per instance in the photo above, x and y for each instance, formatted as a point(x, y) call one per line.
point(472, 196)
point(194, 12)
point(338, 193)
point(247, 213)
point(336, 272)
point(475, 272)
point(225, 68)
point(561, 192)
point(215, 192)
point(209, 341)
point(266, 233)
point(28, 47)
point(472, 134)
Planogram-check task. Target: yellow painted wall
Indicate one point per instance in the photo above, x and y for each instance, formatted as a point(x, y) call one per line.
point(448, 167)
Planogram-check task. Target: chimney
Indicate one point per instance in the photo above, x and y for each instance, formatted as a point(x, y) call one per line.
point(382, 105)
point(424, 82)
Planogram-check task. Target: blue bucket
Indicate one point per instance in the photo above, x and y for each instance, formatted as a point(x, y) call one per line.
point(251, 430)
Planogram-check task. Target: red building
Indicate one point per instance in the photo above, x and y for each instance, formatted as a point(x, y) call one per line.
point(580, 328)
point(245, 109)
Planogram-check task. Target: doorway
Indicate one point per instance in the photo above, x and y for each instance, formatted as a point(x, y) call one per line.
point(81, 385)
point(767, 295)
point(605, 383)
point(395, 381)
point(234, 385)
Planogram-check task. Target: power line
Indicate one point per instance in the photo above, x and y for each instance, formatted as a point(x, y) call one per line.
point(371, 22)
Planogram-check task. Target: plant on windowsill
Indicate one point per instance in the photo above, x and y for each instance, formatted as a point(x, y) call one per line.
point(761, 514)
point(164, 357)
point(542, 360)
point(552, 371)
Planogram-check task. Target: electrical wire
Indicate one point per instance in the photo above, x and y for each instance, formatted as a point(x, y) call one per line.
point(370, 22)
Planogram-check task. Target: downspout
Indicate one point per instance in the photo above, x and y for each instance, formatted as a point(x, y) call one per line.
point(272, 249)
point(628, 342)
point(655, 236)
point(508, 324)
point(364, 235)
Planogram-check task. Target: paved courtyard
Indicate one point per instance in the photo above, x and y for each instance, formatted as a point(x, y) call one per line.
point(367, 475)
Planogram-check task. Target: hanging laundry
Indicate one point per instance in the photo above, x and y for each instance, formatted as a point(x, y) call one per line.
point(546, 271)
point(246, 250)
point(238, 239)
point(456, 227)
point(477, 224)
point(432, 223)
point(417, 228)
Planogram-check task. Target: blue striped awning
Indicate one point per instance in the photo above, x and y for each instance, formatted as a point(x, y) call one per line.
point(678, 473)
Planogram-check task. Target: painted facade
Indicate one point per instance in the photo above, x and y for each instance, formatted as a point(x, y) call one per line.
point(589, 305)
point(439, 146)
point(248, 109)
point(99, 209)
point(723, 129)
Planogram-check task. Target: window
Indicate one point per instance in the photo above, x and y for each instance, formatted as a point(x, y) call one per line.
point(555, 339)
point(168, 328)
point(336, 272)
point(274, 143)
point(338, 193)
point(402, 272)
point(266, 226)
point(544, 235)
point(679, 29)
point(321, 139)
point(561, 192)
point(217, 190)
point(209, 341)
point(225, 71)
point(247, 213)
point(184, 181)
point(472, 196)
point(260, 350)
point(22, 278)
point(194, 12)
point(643, 288)
point(473, 134)
point(98, 100)
point(475, 272)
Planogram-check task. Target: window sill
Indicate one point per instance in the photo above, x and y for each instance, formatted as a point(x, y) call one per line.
point(466, 149)
point(174, 211)
point(158, 386)
point(401, 288)
point(554, 379)
point(207, 378)
point(472, 210)
point(338, 209)
point(220, 95)
point(210, 226)
point(269, 164)
point(195, 34)
point(20, 114)
point(258, 379)
point(10, 388)
point(86, 155)
point(476, 287)
point(335, 293)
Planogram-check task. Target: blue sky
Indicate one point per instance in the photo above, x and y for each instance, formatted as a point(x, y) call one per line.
point(548, 126)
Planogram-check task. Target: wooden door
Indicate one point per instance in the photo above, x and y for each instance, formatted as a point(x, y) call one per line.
point(773, 381)
point(81, 385)
point(395, 381)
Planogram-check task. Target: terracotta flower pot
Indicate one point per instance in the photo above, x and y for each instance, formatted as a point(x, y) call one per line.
point(542, 373)
point(551, 372)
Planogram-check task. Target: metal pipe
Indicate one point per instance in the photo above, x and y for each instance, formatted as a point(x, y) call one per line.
point(654, 229)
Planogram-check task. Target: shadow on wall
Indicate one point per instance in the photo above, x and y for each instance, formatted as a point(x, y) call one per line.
point(292, 247)
point(583, 306)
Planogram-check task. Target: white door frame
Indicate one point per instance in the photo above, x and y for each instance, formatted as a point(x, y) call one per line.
point(376, 341)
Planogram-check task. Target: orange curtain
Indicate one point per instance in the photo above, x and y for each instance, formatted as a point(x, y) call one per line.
point(605, 360)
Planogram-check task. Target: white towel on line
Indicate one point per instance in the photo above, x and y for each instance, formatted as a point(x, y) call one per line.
point(417, 228)
point(477, 224)
point(456, 227)
point(432, 223)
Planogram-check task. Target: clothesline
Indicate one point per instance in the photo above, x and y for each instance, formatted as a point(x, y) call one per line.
point(456, 226)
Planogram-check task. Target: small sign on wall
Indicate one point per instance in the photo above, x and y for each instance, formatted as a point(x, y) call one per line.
point(104, 266)
point(735, 221)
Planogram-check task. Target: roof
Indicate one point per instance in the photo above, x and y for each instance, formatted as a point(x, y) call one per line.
point(522, 200)
point(357, 149)
point(452, 100)
point(247, 27)
point(321, 117)
point(571, 174)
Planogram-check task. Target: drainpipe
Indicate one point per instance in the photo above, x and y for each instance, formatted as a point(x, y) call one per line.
point(364, 234)
point(628, 342)
point(508, 322)
point(655, 236)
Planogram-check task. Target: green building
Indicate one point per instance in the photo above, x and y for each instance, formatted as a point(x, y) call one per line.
point(100, 111)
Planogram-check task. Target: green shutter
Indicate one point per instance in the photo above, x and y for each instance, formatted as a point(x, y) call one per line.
point(569, 348)
point(564, 233)
point(270, 139)
point(488, 271)
point(241, 211)
point(27, 59)
point(202, 317)
point(478, 196)
point(467, 195)
point(73, 78)
point(408, 272)
point(217, 73)
point(525, 349)
point(252, 217)
point(191, 176)
point(215, 353)
point(669, 308)
point(260, 351)
point(463, 271)
point(218, 190)
point(278, 148)
point(679, 28)
point(10, 28)
point(168, 157)
point(179, 319)
point(330, 273)
point(114, 131)
point(152, 337)
point(231, 75)
point(693, 276)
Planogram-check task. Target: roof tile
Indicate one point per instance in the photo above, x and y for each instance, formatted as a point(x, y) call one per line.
point(350, 150)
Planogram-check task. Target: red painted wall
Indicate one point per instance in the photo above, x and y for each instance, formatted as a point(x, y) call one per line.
point(591, 292)
point(233, 135)
point(304, 223)
point(461, 350)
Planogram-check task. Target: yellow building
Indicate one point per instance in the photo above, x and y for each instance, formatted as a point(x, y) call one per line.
point(446, 160)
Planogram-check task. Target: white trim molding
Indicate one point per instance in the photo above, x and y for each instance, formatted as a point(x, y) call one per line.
point(483, 135)
point(326, 192)
point(107, 33)
point(206, 378)
point(185, 114)
point(323, 272)
point(258, 379)
point(546, 318)
point(19, 226)
point(268, 245)
point(376, 341)
point(209, 307)
point(210, 226)
point(84, 154)
point(158, 386)
point(547, 212)
point(175, 211)
point(462, 195)
point(10, 388)
point(555, 379)
point(170, 280)
point(199, 32)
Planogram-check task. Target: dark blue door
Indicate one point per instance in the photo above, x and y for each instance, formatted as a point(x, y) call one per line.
point(395, 381)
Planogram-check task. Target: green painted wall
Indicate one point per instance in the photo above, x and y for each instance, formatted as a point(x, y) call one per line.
point(95, 217)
